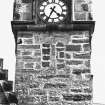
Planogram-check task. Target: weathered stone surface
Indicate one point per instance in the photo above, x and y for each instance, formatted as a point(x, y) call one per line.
point(74, 62)
point(87, 47)
point(28, 47)
point(53, 98)
point(45, 64)
point(61, 54)
point(60, 66)
point(47, 45)
point(82, 56)
point(76, 90)
point(60, 44)
point(45, 51)
point(73, 47)
point(80, 41)
point(58, 85)
point(77, 97)
point(51, 64)
point(67, 56)
point(29, 65)
point(37, 53)
point(60, 49)
point(28, 41)
point(27, 52)
point(46, 57)
point(79, 71)
point(25, 34)
point(87, 63)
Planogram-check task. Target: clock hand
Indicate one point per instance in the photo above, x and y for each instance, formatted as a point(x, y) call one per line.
point(50, 13)
point(55, 11)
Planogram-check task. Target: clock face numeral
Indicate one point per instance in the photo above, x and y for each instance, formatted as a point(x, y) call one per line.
point(53, 11)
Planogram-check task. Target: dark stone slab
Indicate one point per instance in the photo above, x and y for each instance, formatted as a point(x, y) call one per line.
point(82, 55)
point(73, 47)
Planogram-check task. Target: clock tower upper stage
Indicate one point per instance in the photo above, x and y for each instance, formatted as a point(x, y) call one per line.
point(52, 11)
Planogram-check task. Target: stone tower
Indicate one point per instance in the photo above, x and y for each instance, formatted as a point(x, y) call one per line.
point(53, 51)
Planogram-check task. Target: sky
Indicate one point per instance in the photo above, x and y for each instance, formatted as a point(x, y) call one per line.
point(7, 45)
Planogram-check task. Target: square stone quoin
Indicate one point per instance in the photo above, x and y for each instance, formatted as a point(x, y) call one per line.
point(53, 52)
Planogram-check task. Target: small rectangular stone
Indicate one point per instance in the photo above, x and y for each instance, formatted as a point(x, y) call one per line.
point(46, 51)
point(26, 52)
point(60, 66)
point(46, 45)
point(29, 65)
point(74, 62)
point(46, 57)
point(45, 64)
point(28, 47)
point(53, 50)
point(60, 49)
point(19, 65)
point(82, 56)
point(87, 63)
point(37, 53)
point(54, 99)
point(25, 34)
point(77, 97)
point(60, 44)
point(68, 56)
point(80, 40)
point(87, 47)
point(73, 47)
point(28, 41)
point(61, 54)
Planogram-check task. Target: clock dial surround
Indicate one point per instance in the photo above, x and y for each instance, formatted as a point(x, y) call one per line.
point(52, 11)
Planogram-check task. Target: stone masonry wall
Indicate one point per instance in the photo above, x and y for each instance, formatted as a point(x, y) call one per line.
point(53, 68)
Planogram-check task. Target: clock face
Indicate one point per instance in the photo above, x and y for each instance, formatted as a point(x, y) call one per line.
point(53, 11)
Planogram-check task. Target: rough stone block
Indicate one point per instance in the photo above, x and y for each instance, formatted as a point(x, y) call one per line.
point(45, 51)
point(87, 47)
point(59, 44)
point(80, 41)
point(28, 47)
point(77, 97)
point(46, 57)
point(28, 41)
point(60, 66)
point(67, 56)
point(29, 65)
point(25, 34)
point(74, 62)
point(82, 56)
point(45, 64)
point(73, 47)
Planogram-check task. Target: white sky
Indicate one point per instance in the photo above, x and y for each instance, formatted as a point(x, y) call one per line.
point(7, 45)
